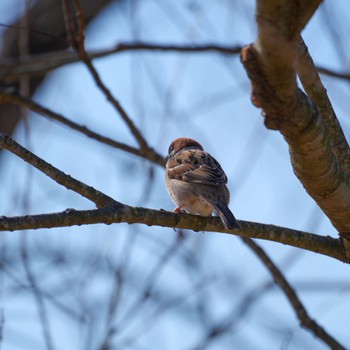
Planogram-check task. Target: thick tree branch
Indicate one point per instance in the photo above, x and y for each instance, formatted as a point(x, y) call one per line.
point(12, 97)
point(305, 320)
point(270, 64)
point(324, 245)
point(99, 198)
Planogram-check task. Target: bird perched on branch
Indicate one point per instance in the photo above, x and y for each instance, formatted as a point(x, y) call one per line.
point(196, 181)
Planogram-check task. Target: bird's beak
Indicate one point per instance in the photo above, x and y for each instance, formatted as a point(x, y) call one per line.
point(167, 157)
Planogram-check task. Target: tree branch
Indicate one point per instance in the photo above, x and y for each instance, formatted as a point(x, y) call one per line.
point(115, 212)
point(12, 97)
point(99, 198)
point(38, 64)
point(315, 90)
point(305, 320)
point(324, 245)
point(42, 63)
point(77, 34)
point(270, 64)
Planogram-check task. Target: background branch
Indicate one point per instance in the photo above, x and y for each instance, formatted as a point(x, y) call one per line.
point(305, 320)
point(37, 64)
point(12, 97)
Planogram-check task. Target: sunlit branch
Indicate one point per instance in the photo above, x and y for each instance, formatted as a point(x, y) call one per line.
point(135, 215)
point(316, 91)
point(99, 198)
point(271, 67)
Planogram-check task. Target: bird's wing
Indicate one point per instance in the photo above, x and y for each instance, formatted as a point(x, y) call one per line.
point(196, 166)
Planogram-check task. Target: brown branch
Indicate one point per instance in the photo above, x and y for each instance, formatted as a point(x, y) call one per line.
point(12, 97)
point(99, 198)
point(324, 245)
point(315, 90)
point(42, 63)
point(305, 320)
point(78, 43)
point(270, 64)
point(306, 11)
point(332, 73)
point(117, 212)
point(38, 64)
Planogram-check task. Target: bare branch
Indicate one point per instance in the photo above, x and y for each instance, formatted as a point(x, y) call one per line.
point(315, 90)
point(270, 64)
point(118, 212)
point(305, 320)
point(42, 310)
point(42, 63)
point(78, 43)
point(12, 97)
point(99, 198)
point(135, 215)
point(38, 64)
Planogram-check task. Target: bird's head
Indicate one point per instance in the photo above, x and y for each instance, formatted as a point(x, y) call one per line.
point(180, 144)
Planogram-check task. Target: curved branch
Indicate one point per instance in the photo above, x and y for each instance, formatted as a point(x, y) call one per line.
point(305, 320)
point(324, 245)
point(316, 91)
point(270, 64)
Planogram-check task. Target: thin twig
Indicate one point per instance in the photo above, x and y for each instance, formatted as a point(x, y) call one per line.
point(78, 43)
point(12, 97)
point(38, 64)
point(44, 62)
point(305, 320)
point(44, 320)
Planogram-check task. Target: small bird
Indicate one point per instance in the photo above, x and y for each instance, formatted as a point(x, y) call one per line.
point(196, 182)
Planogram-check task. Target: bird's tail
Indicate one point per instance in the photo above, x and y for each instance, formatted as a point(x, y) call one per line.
point(226, 216)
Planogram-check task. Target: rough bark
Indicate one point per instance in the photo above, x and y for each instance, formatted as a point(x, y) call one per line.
point(318, 148)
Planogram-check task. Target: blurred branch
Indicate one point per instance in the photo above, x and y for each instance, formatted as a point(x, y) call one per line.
point(45, 16)
point(76, 33)
point(270, 65)
point(38, 64)
point(38, 296)
point(305, 320)
point(99, 198)
point(324, 245)
point(12, 97)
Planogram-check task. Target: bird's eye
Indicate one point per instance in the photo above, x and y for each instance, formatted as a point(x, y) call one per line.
point(171, 148)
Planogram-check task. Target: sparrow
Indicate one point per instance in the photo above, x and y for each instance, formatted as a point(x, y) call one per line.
point(196, 182)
